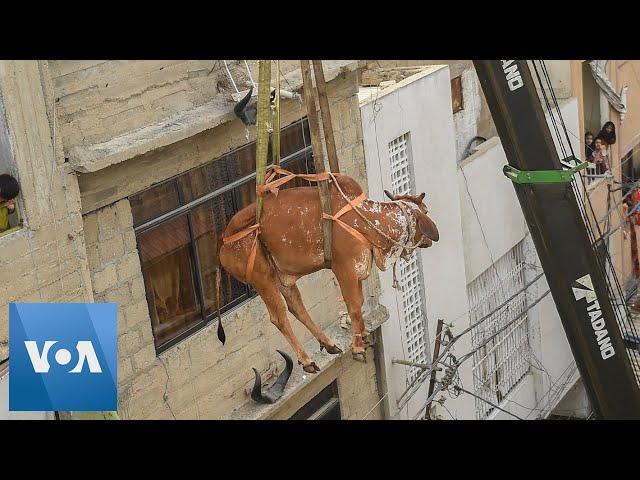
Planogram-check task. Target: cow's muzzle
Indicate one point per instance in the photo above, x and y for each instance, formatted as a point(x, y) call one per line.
point(428, 227)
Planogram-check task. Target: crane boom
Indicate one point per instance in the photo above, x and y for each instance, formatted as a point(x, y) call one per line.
point(561, 239)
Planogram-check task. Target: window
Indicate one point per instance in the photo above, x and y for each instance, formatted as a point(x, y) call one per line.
point(6, 166)
point(457, 102)
point(413, 312)
point(324, 406)
point(504, 361)
point(177, 224)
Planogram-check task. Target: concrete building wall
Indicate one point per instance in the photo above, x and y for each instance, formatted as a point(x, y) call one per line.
point(97, 100)
point(491, 215)
point(199, 377)
point(473, 120)
point(45, 260)
point(420, 105)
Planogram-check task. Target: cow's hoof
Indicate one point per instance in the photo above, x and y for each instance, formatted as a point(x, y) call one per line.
point(334, 350)
point(359, 356)
point(310, 368)
point(367, 339)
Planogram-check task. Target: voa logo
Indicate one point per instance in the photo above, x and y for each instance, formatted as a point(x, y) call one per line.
point(64, 356)
point(40, 358)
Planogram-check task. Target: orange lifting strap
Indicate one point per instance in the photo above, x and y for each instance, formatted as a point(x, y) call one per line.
point(273, 186)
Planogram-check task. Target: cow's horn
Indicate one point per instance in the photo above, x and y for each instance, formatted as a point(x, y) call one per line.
point(240, 106)
point(256, 392)
point(275, 392)
point(390, 195)
point(247, 115)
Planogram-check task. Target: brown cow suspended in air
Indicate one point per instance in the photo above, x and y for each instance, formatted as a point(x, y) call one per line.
point(290, 245)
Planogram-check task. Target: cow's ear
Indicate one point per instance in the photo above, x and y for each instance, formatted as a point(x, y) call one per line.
point(421, 196)
point(390, 195)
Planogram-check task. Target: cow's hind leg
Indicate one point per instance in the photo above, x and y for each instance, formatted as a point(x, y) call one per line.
point(294, 302)
point(267, 289)
point(264, 280)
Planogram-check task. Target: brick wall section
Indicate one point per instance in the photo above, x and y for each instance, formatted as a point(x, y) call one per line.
point(46, 260)
point(199, 377)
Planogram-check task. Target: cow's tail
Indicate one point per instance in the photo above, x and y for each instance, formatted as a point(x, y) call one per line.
point(221, 335)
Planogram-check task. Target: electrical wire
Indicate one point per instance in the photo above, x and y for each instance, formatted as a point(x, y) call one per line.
point(487, 401)
point(425, 374)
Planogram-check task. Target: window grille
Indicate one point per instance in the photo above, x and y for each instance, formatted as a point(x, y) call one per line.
point(504, 361)
point(413, 316)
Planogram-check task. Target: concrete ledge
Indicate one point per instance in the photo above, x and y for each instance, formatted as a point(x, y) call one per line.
point(480, 150)
point(91, 158)
point(370, 94)
point(299, 378)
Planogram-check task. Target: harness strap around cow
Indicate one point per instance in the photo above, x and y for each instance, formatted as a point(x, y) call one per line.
point(273, 186)
point(350, 206)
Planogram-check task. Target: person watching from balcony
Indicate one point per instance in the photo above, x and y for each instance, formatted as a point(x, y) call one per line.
point(589, 147)
point(599, 156)
point(9, 189)
point(608, 133)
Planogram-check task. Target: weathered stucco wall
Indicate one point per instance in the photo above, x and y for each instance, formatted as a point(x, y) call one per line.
point(45, 261)
point(199, 377)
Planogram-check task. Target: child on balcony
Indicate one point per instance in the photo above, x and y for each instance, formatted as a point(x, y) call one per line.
point(599, 156)
point(9, 189)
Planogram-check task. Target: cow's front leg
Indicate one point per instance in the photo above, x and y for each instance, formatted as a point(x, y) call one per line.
point(351, 289)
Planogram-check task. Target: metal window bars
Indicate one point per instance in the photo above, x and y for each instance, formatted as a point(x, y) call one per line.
point(502, 362)
point(411, 288)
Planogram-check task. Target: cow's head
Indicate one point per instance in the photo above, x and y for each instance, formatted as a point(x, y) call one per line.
point(427, 232)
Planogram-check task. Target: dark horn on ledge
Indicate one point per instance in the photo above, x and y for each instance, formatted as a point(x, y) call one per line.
point(244, 113)
point(276, 391)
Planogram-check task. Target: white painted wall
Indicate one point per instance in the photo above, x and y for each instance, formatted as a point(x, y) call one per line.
point(490, 208)
point(421, 105)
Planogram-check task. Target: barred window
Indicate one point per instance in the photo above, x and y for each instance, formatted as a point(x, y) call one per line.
point(503, 360)
point(177, 224)
point(413, 312)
